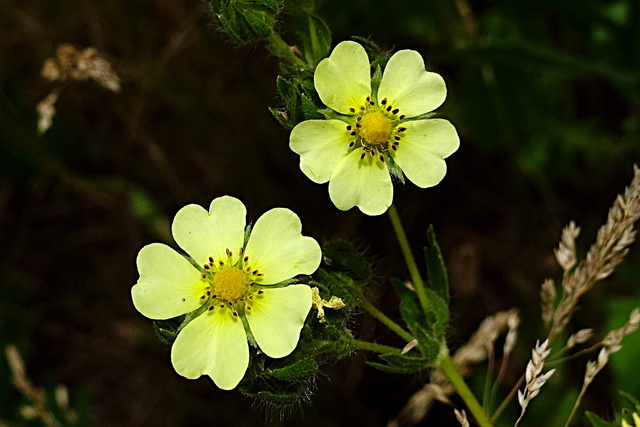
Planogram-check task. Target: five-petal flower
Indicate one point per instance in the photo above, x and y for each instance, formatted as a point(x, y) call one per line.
point(232, 280)
point(373, 128)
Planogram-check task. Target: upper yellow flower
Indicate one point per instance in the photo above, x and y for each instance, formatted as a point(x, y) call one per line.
point(231, 278)
point(353, 150)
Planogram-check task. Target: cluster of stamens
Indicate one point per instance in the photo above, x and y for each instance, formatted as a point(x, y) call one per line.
point(230, 285)
point(375, 128)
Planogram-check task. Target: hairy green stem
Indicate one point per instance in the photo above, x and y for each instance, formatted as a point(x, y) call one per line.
point(281, 49)
point(378, 348)
point(416, 279)
point(385, 320)
point(446, 366)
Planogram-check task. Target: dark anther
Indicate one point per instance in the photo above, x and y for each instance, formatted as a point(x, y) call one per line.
point(402, 117)
point(397, 138)
point(402, 129)
point(221, 263)
point(210, 308)
point(381, 158)
point(204, 276)
point(363, 154)
point(396, 111)
point(260, 292)
point(384, 101)
point(248, 308)
point(359, 118)
point(372, 103)
point(221, 305)
point(210, 259)
point(202, 297)
point(353, 133)
point(235, 314)
point(351, 144)
point(229, 253)
point(254, 272)
point(206, 266)
point(208, 292)
point(389, 108)
point(349, 127)
point(213, 296)
point(394, 147)
point(368, 98)
point(353, 110)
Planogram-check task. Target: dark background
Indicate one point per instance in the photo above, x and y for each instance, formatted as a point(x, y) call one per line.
point(545, 96)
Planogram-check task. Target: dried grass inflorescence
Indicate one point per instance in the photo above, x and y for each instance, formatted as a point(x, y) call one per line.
point(477, 349)
point(533, 376)
point(72, 64)
point(610, 248)
point(38, 409)
point(461, 416)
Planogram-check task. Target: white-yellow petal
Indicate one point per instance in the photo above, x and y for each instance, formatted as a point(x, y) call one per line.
point(278, 250)
point(205, 234)
point(363, 183)
point(409, 87)
point(168, 286)
point(213, 344)
point(343, 80)
point(277, 316)
point(321, 144)
point(424, 146)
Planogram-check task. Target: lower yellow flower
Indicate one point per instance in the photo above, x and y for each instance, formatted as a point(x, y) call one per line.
point(232, 279)
point(373, 126)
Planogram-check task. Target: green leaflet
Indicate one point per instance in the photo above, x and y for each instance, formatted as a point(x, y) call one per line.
point(436, 270)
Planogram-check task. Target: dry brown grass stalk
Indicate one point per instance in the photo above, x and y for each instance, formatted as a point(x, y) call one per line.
point(38, 409)
point(612, 242)
point(611, 343)
point(474, 351)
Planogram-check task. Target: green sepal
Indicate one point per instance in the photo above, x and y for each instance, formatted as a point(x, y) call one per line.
point(279, 399)
point(393, 167)
point(300, 370)
point(341, 255)
point(166, 335)
point(436, 270)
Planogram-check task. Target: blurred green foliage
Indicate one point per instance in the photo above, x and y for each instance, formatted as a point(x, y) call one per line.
point(545, 95)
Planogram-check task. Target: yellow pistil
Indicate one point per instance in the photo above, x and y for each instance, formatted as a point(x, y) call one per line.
point(374, 128)
point(230, 284)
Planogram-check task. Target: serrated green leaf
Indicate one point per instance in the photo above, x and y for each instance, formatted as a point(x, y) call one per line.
point(436, 270)
point(596, 421)
point(391, 369)
point(439, 313)
point(417, 363)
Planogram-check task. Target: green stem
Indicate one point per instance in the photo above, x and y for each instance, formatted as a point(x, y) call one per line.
point(447, 367)
point(385, 320)
point(418, 284)
point(281, 49)
point(378, 348)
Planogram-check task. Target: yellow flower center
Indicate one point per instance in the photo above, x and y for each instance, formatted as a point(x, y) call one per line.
point(375, 128)
point(230, 284)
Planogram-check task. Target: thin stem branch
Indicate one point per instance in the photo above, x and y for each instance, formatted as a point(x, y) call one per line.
point(416, 279)
point(378, 348)
point(446, 366)
point(385, 320)
point(507, 400)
